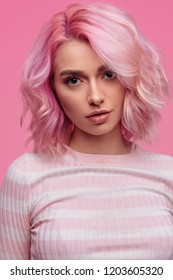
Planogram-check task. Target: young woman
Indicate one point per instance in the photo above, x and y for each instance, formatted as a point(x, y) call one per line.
point(93, 86)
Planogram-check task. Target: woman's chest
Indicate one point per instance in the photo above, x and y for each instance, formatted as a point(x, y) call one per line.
point(103, 222)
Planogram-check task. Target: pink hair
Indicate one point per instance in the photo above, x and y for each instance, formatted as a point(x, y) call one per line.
point(114, 37)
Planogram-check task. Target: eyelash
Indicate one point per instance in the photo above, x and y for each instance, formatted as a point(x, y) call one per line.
point(114, 76)
point(69, 79)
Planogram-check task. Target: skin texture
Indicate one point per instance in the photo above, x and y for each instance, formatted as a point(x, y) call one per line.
point(83, 85)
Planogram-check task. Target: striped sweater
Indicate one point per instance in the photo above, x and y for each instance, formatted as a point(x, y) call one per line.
point(86, 206)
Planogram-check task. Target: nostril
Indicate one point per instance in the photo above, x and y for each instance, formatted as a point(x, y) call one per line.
point(96, 100)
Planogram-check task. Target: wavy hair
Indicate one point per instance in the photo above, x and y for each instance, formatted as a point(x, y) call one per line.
point(114, 37)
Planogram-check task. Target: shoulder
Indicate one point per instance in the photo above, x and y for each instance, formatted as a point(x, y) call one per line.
point(158, 163)
point(153, 156)
point(19, 167)
point(24, 159)
point(29, 167)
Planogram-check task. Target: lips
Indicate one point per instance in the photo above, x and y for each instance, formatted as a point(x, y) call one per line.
point(99, 116)
point(97, 113)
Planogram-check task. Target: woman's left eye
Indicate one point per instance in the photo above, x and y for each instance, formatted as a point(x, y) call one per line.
point(109, 75)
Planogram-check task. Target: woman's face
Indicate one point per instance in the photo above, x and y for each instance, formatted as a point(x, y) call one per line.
point(88, 91)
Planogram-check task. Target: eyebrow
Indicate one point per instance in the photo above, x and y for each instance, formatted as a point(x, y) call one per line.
point(79, 72)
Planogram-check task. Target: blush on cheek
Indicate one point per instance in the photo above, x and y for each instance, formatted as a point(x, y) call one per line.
point(67, 109)
point(67, 106)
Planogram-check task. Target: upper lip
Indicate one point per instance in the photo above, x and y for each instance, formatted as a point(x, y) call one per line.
point(97, 113)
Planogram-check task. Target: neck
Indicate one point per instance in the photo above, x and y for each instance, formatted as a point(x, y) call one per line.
point(107, 144)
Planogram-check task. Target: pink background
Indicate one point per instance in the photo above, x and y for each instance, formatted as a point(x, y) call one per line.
point(20, 21)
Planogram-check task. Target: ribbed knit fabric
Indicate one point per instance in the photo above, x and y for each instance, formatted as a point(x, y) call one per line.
point(85, 206)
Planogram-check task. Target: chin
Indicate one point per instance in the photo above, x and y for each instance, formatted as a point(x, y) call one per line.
point(100, 131)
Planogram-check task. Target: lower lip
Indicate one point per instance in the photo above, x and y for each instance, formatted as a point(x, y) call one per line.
point(99, 118)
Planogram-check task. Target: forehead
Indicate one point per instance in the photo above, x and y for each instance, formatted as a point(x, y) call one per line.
point(76, 55)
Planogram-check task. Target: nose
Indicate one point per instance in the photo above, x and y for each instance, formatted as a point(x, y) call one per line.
point(95, 94)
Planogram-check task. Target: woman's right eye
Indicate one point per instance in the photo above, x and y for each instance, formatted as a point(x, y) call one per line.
point(72, 81)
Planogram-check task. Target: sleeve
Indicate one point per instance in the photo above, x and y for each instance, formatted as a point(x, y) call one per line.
point(14, 216)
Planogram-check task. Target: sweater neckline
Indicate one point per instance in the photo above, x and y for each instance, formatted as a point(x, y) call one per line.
point(98, 158)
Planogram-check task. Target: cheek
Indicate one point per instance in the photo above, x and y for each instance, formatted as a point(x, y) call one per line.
point(121, 99)
point(118, 99)
point(116, 93)
point(64, 100)
point(68, 104)
point(120, 96)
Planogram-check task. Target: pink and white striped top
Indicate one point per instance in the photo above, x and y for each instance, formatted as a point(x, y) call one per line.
point(85, 206)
